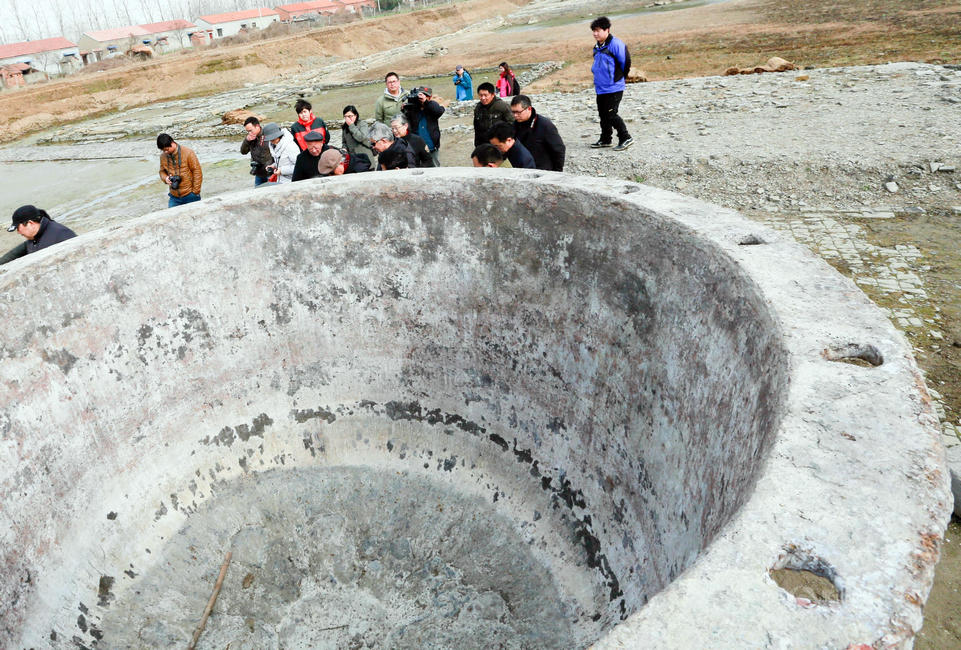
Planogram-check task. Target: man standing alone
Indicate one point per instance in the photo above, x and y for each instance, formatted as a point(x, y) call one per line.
point(180, 170)
point(610, 68)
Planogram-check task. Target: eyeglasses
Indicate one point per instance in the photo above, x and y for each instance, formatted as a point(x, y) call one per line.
point(518, 111)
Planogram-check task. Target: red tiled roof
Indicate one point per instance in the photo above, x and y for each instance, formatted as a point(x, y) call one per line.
point(231, 16)
point(34, 47)
point(310, 6)
point(168, 26)
point(117, 33)
point(356, 2)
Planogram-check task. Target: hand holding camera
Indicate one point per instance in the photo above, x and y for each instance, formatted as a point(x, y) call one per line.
point(174, 181)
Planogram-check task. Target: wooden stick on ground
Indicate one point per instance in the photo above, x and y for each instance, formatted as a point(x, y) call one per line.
point(210, 603)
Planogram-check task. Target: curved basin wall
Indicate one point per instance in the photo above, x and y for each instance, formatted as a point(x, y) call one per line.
point(596, 383)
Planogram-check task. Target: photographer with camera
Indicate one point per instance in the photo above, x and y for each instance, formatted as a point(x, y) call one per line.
point(284, 150)
point(180, 170)
point(422, 113)
point(256, 145)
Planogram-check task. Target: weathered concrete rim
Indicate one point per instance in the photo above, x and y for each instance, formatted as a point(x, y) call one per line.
point(838, 460)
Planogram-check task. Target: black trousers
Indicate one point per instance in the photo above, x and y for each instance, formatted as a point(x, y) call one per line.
point(607, 105)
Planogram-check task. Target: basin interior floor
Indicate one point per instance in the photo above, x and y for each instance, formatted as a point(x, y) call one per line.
point(346, 557)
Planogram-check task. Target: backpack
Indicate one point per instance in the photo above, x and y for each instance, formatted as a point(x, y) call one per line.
point(619, 72)
point(516, 87)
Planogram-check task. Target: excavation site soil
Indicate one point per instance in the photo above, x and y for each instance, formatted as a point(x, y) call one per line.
point(855, 152)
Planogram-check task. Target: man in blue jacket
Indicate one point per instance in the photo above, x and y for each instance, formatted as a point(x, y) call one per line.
point(610, 68)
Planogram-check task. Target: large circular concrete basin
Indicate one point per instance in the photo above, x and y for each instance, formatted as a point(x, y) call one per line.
point(457, 408)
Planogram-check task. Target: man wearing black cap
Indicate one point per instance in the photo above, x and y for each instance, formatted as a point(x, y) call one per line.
point(38, 229)
point(306, 165)
point(422, 114)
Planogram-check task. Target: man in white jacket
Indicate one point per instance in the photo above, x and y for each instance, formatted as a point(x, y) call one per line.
point(284, 149)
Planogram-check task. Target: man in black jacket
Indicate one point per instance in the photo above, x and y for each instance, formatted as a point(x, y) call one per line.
point(422, 114)
point(538, 134)
point(38, 229)
point(392, 153)
point(488, 111)
point(401, 130)
point(305, 166)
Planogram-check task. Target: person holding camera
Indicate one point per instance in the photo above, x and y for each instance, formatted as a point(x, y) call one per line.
point(180, 170)
point(255, 144)
point(463, 84)
point(284, 151)
point(422, 114)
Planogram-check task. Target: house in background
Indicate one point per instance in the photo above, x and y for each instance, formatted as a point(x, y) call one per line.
point(105, 42)
point(170, 35)
point(307, 10)
point(360, 6)
point(52, 56)
point(230, 24)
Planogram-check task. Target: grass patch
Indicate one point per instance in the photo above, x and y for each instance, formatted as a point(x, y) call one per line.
point(219, 65)
point(102, 85)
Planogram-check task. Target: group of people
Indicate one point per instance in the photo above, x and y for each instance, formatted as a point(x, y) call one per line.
point(405, 134)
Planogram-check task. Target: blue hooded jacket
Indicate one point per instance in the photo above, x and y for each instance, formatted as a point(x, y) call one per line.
point(465, 89)
point(603, 66)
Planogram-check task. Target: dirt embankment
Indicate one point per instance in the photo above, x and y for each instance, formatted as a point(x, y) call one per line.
point(217, 69)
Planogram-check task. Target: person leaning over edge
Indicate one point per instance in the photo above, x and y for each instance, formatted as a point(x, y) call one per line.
point(180, 170)
point(38, 229)
point(401, 129)
point(486, 155)
point(336, 162)
point(502, 137)
point(392, 153)
point(610, 60)
point(488, 111)
point(284, 150)
point(538, 134)
point(306, 165)
point(259, 150)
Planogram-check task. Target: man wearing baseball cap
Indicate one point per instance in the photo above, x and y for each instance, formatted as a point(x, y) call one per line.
point(422, 113)
point(38, 229)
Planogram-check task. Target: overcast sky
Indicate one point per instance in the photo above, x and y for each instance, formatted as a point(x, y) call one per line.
point(25, 20)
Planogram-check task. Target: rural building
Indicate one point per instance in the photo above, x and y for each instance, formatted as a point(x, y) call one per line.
point(306, 10)
point(231, 23)
point(359, 6)
point(52, 56)
point(160, 37)
point(170, 35)
point(101, 44)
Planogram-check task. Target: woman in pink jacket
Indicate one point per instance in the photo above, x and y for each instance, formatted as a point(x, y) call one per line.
point(507, 85)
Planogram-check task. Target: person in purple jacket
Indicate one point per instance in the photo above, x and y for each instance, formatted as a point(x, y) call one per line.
point(610, 68)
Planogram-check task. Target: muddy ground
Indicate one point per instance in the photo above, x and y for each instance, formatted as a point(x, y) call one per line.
point(808, 152)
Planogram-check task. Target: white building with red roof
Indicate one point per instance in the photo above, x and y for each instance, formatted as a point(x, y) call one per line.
point(170, 34)
point(359, 6)
point(231, 23)
point(305, 10)
point(161, 37)
point(49, 55)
